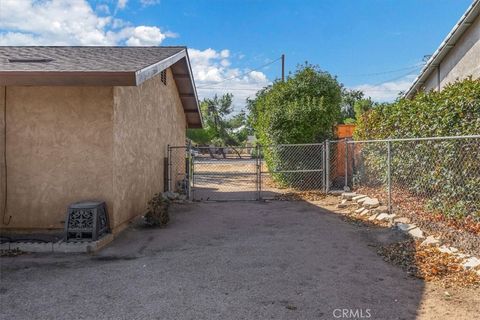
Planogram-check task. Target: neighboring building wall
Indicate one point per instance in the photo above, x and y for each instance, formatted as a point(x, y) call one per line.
point(59, 149)
point(146, 119)
point(2, 153)
point(461, 61)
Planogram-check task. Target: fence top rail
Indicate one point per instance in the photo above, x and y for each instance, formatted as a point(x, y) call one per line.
point(225, 147)
point(416, 139)
point(293, 144)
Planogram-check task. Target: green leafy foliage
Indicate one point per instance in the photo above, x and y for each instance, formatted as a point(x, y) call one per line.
point(453, 111)
point(353, 105)
point(303, 109)
point(221, 126)
point(447, 172)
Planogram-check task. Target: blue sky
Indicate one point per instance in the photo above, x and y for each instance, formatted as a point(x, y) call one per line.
point(351, 39)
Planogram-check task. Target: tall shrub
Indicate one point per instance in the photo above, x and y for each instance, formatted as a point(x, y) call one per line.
point(303, 109)
point(447, 172)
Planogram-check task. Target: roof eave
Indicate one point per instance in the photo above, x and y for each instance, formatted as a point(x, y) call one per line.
point(152, 70)
point(192, 81)
point(66, 78)
point(188, 93)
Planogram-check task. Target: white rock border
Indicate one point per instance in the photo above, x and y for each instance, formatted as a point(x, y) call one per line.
point(372, 208)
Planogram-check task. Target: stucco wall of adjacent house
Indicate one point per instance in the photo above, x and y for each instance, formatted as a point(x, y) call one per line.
point(146, 119)
point(461, 61)
point(2, 151)
point(59, 150)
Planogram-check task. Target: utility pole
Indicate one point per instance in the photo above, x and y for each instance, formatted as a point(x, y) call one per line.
point(283, 67)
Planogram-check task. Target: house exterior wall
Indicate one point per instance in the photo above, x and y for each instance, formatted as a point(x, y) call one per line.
point(461, 61)
point(2, 152)
point(67, 144)
point(59, 150)
point(146, 119)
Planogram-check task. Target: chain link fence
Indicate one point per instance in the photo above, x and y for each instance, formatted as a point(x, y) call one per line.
point(439, 175)
point(367, 169)
point(225, 173)
point(178, 171)
point(291, 168)
point(246, 173)
point(413, 176)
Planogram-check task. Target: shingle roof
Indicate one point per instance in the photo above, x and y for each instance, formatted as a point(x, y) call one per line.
point(71, 59)
point(100, 66)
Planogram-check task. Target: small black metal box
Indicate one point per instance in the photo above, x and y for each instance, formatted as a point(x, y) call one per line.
point(86, 220)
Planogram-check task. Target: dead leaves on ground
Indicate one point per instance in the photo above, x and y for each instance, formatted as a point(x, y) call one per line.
point(301, 196)
point(10, 252)
point(429, 263)
point(414, 207)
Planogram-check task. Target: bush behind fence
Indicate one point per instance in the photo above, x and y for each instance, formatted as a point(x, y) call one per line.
point(443, 175)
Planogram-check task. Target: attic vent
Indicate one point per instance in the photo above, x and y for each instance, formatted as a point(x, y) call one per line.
point(30, 60)
point(163, 76)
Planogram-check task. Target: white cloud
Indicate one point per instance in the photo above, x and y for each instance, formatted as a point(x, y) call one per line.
point(102, 8)
point(142, 35)
point(17, 38)
point(65, 22)
point(225, 53)
point(68, 22)
point(387, 91)
point(147, 3)
point(214, 75)
point(121, 4)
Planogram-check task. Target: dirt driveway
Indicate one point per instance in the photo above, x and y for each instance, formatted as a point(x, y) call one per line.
point(236, 260)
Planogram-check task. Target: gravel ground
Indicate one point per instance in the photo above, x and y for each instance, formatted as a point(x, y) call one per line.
point(229, 260)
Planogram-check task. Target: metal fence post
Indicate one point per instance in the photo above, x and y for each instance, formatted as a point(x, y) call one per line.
point(193, 176)
point(169, 168)
point(259, 171)
point(189, 170)
point(389, 175)
point(327, 166)
point(324, 175)
point(346, 164)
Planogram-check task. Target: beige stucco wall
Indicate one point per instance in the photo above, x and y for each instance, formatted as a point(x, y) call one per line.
point(146, 119)
point(59, 150)
point(462, 61)
point(2, 152)
point(66, 144)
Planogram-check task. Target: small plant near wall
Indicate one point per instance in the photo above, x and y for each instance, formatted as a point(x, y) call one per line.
point(157, 214)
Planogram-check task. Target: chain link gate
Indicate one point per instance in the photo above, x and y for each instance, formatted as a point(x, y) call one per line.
point(246, 173)
point(291, 168)
point(225, 173)
point(178, 173)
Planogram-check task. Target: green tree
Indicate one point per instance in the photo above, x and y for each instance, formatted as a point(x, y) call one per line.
point(354, 104)
point(221, 126)
point(302, 109)
point(349, 97)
